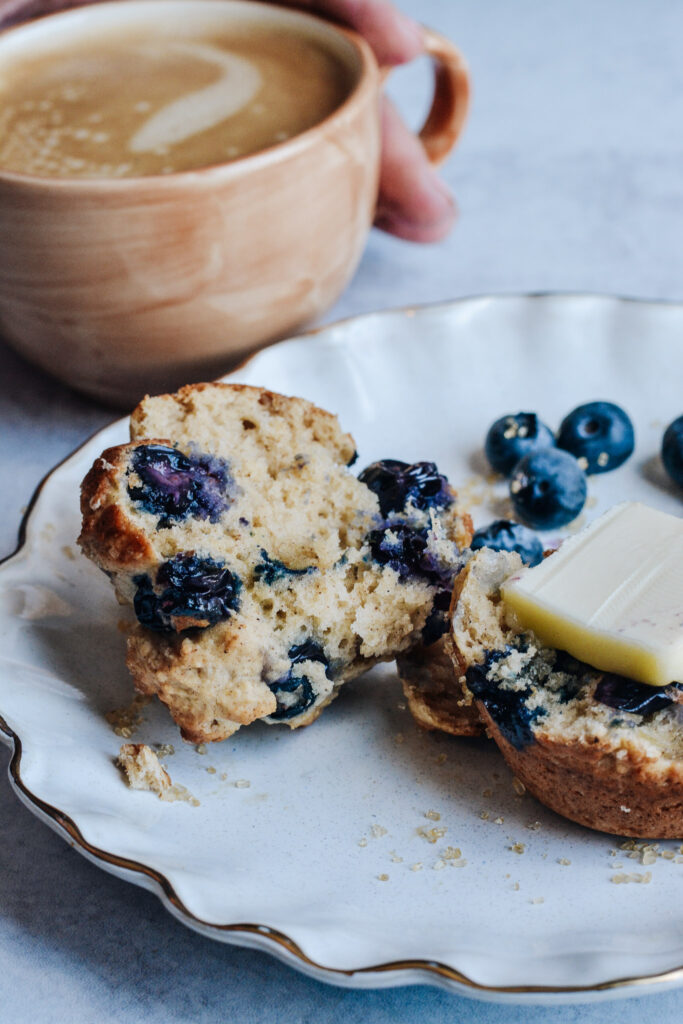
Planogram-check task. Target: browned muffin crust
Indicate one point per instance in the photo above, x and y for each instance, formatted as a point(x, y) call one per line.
point(108, 536)
point(591, 784)
point(287, 531)
point(435, 699)
point(615, 772)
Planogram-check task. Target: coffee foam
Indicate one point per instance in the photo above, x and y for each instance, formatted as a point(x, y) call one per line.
point(239, 82)
point(132, 105)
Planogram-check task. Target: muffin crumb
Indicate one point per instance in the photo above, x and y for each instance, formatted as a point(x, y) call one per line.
point(142, 768)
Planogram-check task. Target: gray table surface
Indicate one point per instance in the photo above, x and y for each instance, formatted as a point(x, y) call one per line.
point(569, 177)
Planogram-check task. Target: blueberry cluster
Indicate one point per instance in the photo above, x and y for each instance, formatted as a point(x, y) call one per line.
point(173, 485)
point(548, 472)
point(403, 548)
point(401, 489)
point(508, 708)
point(298, 688)
point(399, 485)
point(189, 592)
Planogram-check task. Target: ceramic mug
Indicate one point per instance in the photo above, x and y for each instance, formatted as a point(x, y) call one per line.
point(128, 285)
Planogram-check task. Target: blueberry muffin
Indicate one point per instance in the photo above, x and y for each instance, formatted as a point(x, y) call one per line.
point(434, 698)
point(600, 749)
point(263, 573)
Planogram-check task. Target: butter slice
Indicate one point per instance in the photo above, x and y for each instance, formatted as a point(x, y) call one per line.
point(612, 595)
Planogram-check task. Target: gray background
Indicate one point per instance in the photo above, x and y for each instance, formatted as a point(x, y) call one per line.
point(569, 177)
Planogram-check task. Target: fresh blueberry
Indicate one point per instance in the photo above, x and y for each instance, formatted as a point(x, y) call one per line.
point(548, 489)
point(672, 450)
point(270, 570)
point(173, 485)
point(504, 535)
point(512, 437)
point(200, 591)
point(398, 484)
point(508, 708)
point(298, 688)
point(628, 695)
point(599, 434)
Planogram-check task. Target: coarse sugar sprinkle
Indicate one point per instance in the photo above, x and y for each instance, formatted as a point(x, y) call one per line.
point(432, 835)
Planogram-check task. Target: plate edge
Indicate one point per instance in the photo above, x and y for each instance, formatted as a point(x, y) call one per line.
point(435, 972)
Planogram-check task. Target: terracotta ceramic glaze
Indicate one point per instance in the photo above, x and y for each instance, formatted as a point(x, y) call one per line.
point(122, 286)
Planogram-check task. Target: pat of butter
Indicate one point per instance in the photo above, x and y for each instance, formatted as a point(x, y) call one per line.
point(612, 595)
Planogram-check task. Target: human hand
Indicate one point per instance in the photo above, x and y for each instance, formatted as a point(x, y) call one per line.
point(414, 203)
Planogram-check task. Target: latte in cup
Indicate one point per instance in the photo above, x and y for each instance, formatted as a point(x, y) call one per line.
point(122, 277)
point(138, 104)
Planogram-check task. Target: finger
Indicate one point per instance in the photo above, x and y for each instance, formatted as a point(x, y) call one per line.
point(14, 11)
point(394, 37)
point(414, 203)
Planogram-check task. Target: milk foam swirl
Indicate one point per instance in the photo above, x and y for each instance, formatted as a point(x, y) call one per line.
point(198, 111)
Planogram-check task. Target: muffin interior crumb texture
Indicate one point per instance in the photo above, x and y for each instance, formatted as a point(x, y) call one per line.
point(249, 549)
point(559, 695)
point(142, 768)
point(599, 748)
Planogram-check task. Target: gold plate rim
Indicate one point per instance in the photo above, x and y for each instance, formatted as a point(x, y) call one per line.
point(63, 825)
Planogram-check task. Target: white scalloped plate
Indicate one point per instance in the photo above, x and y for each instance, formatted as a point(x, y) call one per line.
point(319, 859)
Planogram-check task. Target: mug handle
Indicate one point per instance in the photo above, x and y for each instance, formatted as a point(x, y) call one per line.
point(451, 99)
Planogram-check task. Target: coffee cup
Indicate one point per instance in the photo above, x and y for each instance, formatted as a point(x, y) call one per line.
point(121, 281)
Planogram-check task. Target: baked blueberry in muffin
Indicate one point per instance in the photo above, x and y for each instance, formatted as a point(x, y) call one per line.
point(505, 535)
point(599, 748)
point(263, 573)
